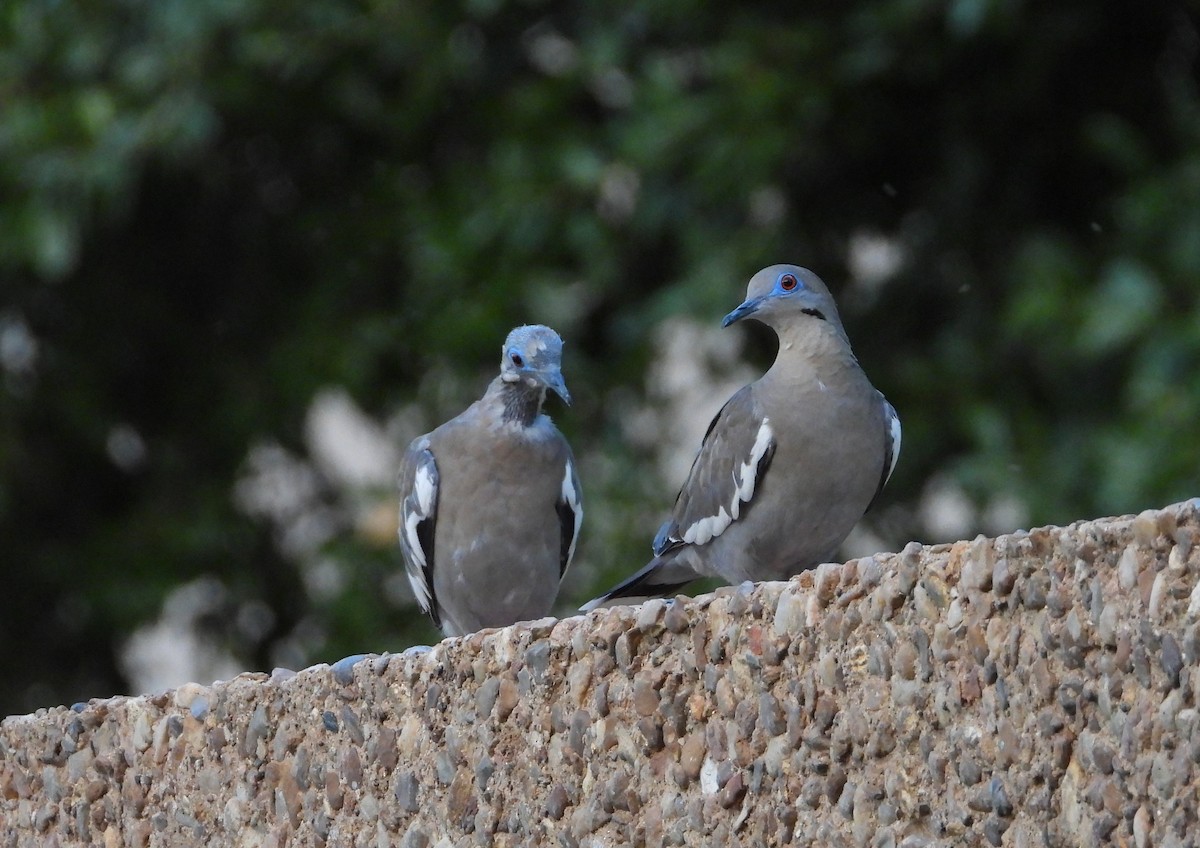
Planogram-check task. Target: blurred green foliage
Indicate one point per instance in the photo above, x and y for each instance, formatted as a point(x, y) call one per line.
point(212, 209)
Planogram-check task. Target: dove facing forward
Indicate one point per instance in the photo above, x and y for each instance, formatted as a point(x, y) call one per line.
point(490, 501)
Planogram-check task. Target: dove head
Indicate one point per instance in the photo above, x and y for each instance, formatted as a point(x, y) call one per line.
point(532, 355)
point(782, 295)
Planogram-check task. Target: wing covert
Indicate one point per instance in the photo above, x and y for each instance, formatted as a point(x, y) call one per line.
point(729, 467)
point(891, 446)
point(419, 482)
point(570, 515)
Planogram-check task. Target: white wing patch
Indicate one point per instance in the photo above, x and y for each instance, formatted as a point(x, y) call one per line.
point(421, 591)
point(749, 470)
point(894, 433)
point(414, 509)
point(704, 530)
point(745, 480)
point(423, 489)
point(570, 496)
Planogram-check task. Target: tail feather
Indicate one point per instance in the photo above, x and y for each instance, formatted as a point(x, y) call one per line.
point(662, 576)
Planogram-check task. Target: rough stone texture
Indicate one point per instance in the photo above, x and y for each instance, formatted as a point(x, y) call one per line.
point(1036, 689)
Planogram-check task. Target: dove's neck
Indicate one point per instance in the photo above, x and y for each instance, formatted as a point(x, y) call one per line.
point(819, 354)
point(519, 403)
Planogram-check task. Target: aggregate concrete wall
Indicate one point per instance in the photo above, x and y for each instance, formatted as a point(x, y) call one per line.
point(1035, 689)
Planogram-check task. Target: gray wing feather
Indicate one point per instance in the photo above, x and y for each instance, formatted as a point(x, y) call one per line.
point(419, 481)
point(733, 458)
point(570, 514)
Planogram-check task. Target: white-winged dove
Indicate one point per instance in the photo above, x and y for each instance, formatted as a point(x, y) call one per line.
point(490, 502)
point(789, 464)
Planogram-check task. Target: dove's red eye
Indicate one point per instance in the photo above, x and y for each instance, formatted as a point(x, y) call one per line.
point(517, 360)
point(788, 282)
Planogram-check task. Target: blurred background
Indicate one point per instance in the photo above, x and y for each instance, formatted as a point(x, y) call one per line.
point(250, 248)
